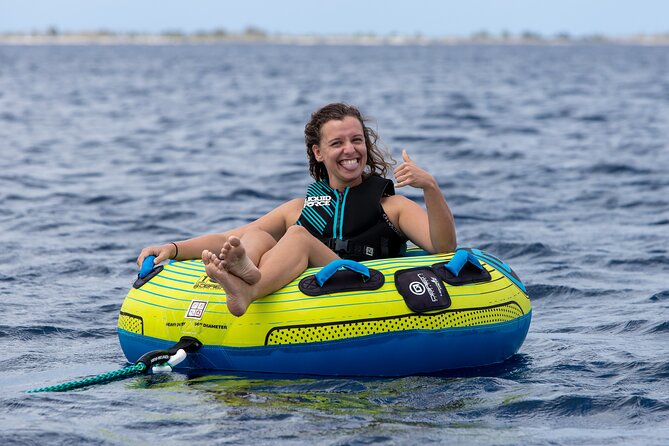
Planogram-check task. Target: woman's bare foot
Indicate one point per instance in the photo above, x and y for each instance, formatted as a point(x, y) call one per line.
point(209, 257)
point(239, 294)
point(235, 261)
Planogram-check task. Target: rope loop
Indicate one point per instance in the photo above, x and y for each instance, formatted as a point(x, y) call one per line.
point(157, 361)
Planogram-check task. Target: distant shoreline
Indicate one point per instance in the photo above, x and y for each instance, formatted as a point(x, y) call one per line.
point(54, 37)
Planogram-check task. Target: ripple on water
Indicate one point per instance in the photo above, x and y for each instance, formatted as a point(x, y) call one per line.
point(512, 250)
point(28, 332)
point(661, 296)
point(662, 327)
point(657, 262)
point(625, 406)
point(617, 169)
point(629, 326)
point(541, 291)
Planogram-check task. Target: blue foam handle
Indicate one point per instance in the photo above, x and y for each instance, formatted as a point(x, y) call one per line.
point(459, 260)
point(147, 266)
point(328, 270)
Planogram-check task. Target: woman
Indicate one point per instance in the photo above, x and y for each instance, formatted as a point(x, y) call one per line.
point(350, 211)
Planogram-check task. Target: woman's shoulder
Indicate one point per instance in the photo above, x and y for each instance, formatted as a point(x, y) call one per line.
point(295, 203)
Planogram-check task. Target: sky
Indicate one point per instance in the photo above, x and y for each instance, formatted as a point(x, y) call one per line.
point(327, 17)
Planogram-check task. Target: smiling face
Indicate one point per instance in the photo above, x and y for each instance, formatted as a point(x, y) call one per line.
point(343, 151)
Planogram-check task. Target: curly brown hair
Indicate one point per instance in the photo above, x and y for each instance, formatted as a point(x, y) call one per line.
point(376, 163)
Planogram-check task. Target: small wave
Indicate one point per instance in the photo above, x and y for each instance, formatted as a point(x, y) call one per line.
point(112, 308)
point(515, 131)
point(8, 117)
point(635, 325)
point(471, 217)
point(47, 435)
point(581, 405)
point(617, 169)
point(325, 385)
point(25, 333)
point(637, 263)
point(509, 250)
point(657, 297)
point(226, 173)
point(640, 402)
point(91, 144)
point(593, 118)
point(213, 197)
point(464, 154)
point(26, 181)
point(228, 220)
point(408, 139)
point(170, 215)
point(444, 140)
point(459, 101)
point(97, 332)
point(78, 176)
point(557, 114)
point(658, 371)
point(6, 278)
point(108, 246)
point(464, 117)
point(105, 199)
point(662, 327)
point(250, 193)
point(566, 405)
point(461, 199)
point(650, 204)
point(540, 291)
point(474, 118)
point(81, 267)
point(505, 155)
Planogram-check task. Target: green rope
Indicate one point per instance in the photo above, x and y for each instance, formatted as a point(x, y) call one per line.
point(99, 379)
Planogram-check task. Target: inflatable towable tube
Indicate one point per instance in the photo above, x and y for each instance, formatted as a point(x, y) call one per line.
point(391, 317)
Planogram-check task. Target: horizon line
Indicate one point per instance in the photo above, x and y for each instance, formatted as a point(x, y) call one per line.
point(256, 31)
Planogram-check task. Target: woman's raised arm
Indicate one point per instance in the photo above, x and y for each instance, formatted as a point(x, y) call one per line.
point(433, 231)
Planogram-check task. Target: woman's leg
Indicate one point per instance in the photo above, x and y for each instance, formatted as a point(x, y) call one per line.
point(296, 251)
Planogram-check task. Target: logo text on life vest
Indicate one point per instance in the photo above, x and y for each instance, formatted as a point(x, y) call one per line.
point(323, 200)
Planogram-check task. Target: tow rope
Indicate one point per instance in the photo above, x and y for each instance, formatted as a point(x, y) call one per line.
point(156, 361)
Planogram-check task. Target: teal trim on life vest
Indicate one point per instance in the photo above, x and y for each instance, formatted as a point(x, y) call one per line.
point(322, 188)
point(328, 191)
point(336, 217)
point(341, 217)
point(316, 220)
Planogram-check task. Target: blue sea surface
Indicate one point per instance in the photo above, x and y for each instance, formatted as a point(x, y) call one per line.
point(554, 158)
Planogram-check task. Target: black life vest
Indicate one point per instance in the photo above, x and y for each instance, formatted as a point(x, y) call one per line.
point(352, 223)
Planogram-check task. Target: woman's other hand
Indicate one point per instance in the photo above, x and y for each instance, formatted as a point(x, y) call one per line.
point(162, 253)
point(409, 174)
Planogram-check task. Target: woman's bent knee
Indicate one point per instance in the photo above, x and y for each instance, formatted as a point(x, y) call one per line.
point(298, 232)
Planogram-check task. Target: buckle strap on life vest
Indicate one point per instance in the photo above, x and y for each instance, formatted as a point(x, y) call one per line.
point(352, 248)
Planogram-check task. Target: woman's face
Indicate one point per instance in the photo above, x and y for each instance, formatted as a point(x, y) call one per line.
point(343, 151)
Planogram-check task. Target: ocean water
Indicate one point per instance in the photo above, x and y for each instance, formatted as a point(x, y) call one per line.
point(554, 158)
